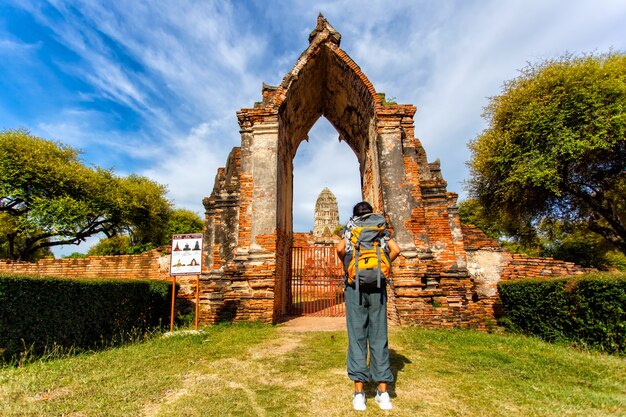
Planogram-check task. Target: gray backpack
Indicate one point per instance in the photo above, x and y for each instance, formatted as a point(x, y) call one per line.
point(367, 255)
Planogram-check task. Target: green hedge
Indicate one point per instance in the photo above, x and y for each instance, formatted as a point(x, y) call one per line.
point(39, 313)
point(589, 310)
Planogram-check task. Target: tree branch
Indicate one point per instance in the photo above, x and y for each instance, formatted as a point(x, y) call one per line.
point(598, 205)
point(608, 234)
point(41, 241)
point(13, 206)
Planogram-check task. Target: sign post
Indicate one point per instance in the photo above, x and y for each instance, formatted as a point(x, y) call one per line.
point(186, 259)
point(173, 301)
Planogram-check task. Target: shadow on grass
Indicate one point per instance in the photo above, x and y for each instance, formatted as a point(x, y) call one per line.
point(397, 362)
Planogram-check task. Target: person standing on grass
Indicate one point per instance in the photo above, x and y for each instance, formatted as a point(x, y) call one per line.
point(366, 302)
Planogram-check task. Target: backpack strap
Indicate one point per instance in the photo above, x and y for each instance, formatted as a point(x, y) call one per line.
point(378, 269)
point(357, 252)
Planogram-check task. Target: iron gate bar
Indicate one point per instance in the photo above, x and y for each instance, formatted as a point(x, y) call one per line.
point(315, 283)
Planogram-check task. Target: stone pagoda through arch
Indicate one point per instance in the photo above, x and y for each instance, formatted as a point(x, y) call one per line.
point(249, 230)
point(325, 215)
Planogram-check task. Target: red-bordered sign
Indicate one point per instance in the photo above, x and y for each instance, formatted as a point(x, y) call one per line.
point(186, 259)
point(186, 254)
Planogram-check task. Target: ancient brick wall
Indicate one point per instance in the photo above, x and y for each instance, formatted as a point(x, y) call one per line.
point(302, 239)
point(148, 265)
point(488, 259)
point(222, 214)
point(489, 264)
point(474, 239)
point(522, 266)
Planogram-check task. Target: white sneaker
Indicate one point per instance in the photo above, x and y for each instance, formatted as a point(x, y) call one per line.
point(358, 401)
point(383, 400)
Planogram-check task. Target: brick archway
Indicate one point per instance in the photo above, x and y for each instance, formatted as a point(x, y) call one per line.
point(323, 82)
point(249, 213)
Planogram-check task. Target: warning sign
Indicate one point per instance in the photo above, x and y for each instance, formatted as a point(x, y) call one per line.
point(186, 254)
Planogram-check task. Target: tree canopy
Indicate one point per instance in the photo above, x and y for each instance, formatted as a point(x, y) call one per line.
point(48, 197)
point(555, 148)
point(181, 221)
point(567, 241)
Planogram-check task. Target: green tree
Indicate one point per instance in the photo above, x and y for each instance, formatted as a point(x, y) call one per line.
point(48, 197)
point(183, 221)
point(555, 148)
point(9, 239)
point(567, 241)
point(148, 211)
point(180, 221)
point(115, 245)
point(574, 242)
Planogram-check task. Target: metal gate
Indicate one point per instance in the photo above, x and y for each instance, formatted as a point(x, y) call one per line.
point(315, 286)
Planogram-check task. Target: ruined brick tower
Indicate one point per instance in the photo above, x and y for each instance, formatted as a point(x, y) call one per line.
point(326, 214)
point(249, 230)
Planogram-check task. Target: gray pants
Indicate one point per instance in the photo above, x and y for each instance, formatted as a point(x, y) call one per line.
point(366, 320)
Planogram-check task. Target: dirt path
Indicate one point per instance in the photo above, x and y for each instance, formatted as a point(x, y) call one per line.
point(290, 337)
point(313, 324)
point(291, 333)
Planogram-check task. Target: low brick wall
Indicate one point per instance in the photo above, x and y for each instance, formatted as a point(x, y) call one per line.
point(153, 264)
point(523, 266)
point(148, 265)
point(489, 264)
point(475, 239)
point(249, 295)
point(488, 267)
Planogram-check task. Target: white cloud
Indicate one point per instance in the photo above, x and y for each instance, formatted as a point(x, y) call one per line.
point(12, 46)
point(188, 166)
point(87, 131)
point(186, 67)
point(321, 162)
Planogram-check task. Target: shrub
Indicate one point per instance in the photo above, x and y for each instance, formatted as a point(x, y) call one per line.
point(37, 314)
point(589, 310)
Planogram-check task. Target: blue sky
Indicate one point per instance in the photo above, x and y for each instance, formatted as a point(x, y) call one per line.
point(152, 87)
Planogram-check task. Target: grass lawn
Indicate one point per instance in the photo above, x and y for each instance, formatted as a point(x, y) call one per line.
point(254, 370)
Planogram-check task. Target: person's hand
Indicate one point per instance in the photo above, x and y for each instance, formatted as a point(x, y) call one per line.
point(394, 249)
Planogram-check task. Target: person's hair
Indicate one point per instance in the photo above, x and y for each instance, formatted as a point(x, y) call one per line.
point(362, 208)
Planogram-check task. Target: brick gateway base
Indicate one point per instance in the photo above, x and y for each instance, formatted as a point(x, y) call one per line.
point(487, 263)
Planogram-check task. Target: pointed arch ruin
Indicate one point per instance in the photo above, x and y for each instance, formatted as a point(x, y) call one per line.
point(249, 213)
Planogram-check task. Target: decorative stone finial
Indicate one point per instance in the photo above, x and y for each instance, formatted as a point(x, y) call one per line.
point(322, 27)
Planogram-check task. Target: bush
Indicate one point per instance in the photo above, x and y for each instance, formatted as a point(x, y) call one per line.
point(37, 314)
point(589, 310)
